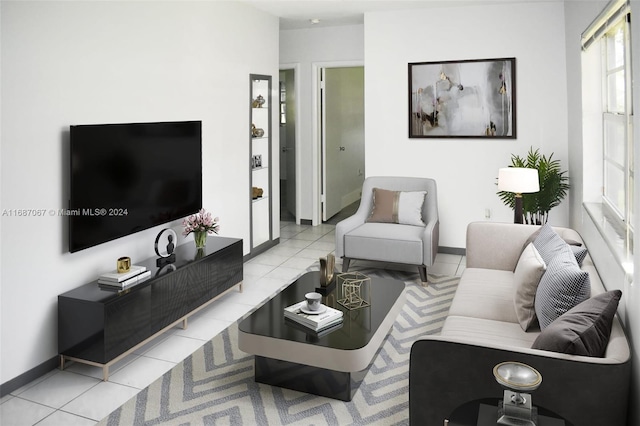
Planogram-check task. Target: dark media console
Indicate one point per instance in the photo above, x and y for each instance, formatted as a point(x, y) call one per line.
point(99, 326)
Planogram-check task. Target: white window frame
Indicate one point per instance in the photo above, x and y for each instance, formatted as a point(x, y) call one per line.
point(612, 210)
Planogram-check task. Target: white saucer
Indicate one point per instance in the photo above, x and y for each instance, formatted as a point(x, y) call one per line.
point(323, 308)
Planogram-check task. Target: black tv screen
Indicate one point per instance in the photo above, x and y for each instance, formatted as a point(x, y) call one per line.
point(129, 177)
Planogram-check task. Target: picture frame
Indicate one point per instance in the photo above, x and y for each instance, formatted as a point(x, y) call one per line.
point(473, 98)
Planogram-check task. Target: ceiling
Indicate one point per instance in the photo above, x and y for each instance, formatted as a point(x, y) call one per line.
point(296, 14)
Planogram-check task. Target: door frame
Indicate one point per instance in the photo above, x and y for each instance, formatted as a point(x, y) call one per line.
point(316, 140)
point(296, 82)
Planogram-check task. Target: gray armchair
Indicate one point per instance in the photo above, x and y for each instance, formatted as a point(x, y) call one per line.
point(390, 242)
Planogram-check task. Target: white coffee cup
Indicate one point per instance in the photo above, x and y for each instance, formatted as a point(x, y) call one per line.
point(314, 300)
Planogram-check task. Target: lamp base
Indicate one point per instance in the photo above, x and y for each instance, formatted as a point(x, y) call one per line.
point(517, 211)
point(514, 413)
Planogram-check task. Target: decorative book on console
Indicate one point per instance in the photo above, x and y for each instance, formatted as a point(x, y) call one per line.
point(316, 322)
point(135, 275)
point(117, 277)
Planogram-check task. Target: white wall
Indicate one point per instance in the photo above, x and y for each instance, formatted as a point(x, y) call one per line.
point(306, 48)
point(69, 63)
point(465, 169)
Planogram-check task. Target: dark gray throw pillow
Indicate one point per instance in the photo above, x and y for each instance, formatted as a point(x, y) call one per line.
point(583, 330)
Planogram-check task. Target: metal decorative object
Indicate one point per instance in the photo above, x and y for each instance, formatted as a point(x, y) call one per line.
point(165, 246)
point(327, 279)
point(256, 132)
point(355, 290)
point(516, 407)
point(258, 102)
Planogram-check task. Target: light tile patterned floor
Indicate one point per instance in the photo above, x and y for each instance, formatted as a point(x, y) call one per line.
point(78, 396)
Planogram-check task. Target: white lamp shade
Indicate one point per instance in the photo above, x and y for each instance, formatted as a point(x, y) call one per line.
point(518, 179)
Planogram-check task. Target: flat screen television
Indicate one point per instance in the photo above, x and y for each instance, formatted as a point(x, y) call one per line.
point(129, 177)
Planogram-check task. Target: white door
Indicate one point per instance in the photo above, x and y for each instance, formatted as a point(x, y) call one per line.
point(342, 137)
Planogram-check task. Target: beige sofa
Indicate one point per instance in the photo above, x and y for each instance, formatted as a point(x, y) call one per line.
point(482, 330)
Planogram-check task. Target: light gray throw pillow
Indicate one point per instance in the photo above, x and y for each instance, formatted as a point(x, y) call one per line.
point(548, 243)
point(527, 275)
point(563, 286)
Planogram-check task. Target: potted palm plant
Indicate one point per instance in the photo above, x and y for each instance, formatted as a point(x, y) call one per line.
point(554, 185)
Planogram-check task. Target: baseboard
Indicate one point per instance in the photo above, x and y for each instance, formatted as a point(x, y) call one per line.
point(306, 222)
point(452, 250)
point(29, 376)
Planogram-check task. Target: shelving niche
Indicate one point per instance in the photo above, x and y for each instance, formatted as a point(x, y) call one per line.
point(260, 135)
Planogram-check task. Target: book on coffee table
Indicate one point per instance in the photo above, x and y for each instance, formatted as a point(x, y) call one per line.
point(315, 333)
point(316, 322)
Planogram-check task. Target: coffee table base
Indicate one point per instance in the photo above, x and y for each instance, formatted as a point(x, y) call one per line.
point(304, 378)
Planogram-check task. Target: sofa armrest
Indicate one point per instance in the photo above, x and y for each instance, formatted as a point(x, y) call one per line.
point(443, 374)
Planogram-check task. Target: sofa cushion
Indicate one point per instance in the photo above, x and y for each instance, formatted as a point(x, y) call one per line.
point(584, 329)
point(404, 207)
point(485, 293)
point(385, 242)
point(529, 270)
point(563, 286)
point(488, 332)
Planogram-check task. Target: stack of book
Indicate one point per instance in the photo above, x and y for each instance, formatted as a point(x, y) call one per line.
point(136, 275)
point(316, 322)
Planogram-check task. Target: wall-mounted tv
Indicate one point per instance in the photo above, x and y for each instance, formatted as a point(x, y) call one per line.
point(129, 177)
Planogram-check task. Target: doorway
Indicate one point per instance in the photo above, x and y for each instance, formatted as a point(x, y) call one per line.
point(287, 119)
point(342, 139)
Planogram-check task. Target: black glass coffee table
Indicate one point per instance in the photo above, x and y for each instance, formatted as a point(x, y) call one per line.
point(331, 363)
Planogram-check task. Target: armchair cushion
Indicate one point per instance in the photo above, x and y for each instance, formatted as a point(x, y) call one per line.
point(404, 207)
point(385, 242)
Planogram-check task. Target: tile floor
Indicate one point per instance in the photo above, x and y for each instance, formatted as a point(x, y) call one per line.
point(78, 396)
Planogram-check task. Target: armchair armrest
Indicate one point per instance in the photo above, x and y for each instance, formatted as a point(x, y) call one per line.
point(430, 241)
point(347, 225)
point(443, 374)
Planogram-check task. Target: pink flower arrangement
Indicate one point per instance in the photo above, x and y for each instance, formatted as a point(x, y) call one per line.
point(201, 222)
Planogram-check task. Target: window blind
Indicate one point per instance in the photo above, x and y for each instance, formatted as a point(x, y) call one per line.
point(604, 21)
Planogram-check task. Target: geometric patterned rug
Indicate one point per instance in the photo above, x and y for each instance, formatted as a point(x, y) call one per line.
point(215, 386)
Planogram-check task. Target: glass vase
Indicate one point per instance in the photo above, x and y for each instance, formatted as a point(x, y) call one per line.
point(200, 238)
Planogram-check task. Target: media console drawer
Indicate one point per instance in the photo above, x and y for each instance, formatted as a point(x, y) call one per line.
point(97, 326)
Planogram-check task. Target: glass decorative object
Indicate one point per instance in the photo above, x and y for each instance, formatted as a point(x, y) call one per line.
point(355, 290)
point(200, 238)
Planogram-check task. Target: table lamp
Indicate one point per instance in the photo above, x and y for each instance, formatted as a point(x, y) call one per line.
point(519, 180)
point(516, 408)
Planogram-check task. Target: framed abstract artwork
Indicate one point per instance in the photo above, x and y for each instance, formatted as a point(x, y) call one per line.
point(463, 99)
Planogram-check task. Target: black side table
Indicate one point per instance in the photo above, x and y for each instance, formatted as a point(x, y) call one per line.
point(484, 412)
